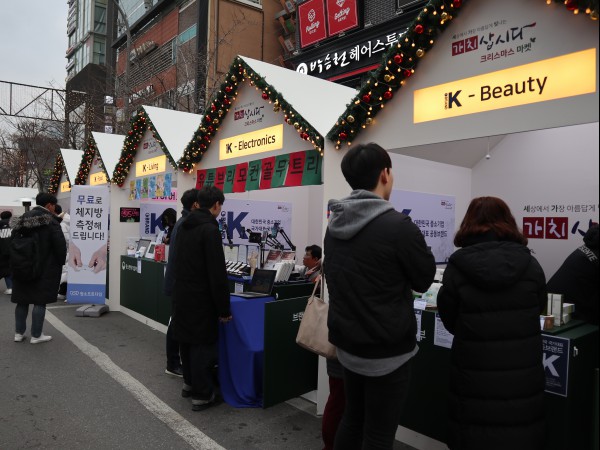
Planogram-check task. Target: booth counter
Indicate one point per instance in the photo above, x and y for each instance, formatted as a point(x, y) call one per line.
point(569, 384)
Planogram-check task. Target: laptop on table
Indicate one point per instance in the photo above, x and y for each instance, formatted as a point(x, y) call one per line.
point(261, 284)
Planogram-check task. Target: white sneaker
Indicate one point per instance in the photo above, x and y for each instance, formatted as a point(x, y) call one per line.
point(60, 297)
point(19, 337)
point(8, 292)
point(39, 340)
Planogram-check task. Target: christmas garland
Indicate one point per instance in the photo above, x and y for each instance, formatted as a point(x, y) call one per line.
point(86, 162)
point(401, 61)
point(59, 166)
point(220, 105)
point(139, 124)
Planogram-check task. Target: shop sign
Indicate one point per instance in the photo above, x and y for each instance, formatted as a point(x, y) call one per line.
point(249, 114)
point(352, 58)
point(157, 164)
point(293, 169)
point(98, 178)
point(342, 15)
point(556, 364)
point(550, 79)
point(311, 15)
point(65, 186)
point(260, 141)
point(129, 214)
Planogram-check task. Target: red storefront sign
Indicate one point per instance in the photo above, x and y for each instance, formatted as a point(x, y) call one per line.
point(311, 15)
point(534, 227)
point(557, 228)
point(342, 15)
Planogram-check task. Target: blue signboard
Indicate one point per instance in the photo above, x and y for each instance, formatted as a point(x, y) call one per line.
point(556, 364)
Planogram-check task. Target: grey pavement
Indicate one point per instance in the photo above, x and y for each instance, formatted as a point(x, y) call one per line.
point(100, 384)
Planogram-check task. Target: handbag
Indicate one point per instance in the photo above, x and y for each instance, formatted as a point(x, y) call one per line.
point(313, 332)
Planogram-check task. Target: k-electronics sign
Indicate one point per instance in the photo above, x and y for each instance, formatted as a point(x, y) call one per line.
point(260, 141)
point(550, 79)
point(311, 15)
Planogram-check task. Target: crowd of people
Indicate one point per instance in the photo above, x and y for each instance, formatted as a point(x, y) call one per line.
point(373, 259)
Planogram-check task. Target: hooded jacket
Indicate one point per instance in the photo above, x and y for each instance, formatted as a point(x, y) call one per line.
point(578, 279)
point(53, 252)
point(491, 298)
point(5, 232)
point(201, 291)
point(374, 258)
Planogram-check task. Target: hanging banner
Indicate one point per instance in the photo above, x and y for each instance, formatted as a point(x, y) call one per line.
point(88, 250)
point(342, 15)
point(311, 15)
point(257, 216)
point(294, 169)
point(434, 215)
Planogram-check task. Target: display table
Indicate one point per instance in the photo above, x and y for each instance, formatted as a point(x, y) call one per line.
point(142, 288)
point(569, 384)
point(260, 363)
point(281, 291)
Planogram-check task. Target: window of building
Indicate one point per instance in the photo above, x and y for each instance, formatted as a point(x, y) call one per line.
point(188, 34)
point(100, 18)
point(99, 51)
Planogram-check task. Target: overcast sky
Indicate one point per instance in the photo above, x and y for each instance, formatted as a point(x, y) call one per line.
point(33, 41)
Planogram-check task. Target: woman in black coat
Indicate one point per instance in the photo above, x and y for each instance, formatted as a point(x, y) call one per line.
point(492, 296)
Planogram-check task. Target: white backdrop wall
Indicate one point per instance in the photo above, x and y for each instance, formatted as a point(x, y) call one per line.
point(545, 168)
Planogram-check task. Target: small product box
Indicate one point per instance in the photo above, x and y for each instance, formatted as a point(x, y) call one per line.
point(159, 253)
point(557, 308)
point(568, 308)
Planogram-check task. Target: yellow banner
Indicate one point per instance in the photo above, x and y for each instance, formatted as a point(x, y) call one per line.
point(541, 81)
point(260, 141)
point(65, 186)
point(98, 178)
point(150, 166)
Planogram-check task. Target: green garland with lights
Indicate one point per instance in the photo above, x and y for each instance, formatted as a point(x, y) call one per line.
point(86, 162)
point(139, 124)
point(401, 61)
point(59, 167)
point(220, 105)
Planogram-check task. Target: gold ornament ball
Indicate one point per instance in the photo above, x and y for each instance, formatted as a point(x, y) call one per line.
point(350, 119)
point(233, 78)
point(594, 15)
point(221, 112)
point(369, 121)
point(296, 125)
point(387, 78)
point(216, 121)
point(444, 16)
point(420, 53)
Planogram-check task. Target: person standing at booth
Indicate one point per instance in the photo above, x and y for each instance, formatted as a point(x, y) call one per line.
point(201, 296)
point(38, 252)
point(190, 203)
point(577, 278)
point(492, 294)
point(374, 258)
point(312, 262)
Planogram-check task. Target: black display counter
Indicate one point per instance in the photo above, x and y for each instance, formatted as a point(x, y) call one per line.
point(571, 362)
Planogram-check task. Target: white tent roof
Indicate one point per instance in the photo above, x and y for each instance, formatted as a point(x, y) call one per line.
point(72, 159)
point(319, 102)
point(176, 128)
point(11, 196)
point(109, 147)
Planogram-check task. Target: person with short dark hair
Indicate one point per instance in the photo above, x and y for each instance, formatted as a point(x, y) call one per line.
point(577, 278)
point(5, 250)
point(39, 292)
point(492, 295)
point(201, 296)
point(374, 258)
point(168, 219)
point(189, 202)
point(312, 262)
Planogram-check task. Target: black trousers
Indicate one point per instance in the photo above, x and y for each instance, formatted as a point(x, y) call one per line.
point(198, 362)
point(373, 406)
point(173, 359)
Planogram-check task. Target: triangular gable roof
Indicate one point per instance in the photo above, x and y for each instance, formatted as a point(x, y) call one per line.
point(171, 129)
point(109, 148)
point(400, 62)
point(72, 160)
point(299, 97)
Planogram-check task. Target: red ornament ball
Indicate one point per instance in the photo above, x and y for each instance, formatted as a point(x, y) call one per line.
point(457, 3)
point(571, 5)
point(265, 96)
point(213, 107)
point(388, 95)
point(407, 73)
point(210, 129)
point(343, 136)
point(398, 59)
point(419, 29)
point(208, 119)
point(227, 101)
point(366, 98)
point(228, 89)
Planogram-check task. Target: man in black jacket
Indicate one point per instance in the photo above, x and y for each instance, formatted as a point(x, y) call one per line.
point(201, 296)
point(374, 258)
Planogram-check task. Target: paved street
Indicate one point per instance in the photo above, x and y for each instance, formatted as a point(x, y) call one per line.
point(100, 383)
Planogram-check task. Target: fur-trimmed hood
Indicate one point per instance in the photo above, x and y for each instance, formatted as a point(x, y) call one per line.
point(36, 218)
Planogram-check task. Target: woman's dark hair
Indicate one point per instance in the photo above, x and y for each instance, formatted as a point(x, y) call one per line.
point(57, 209)
point(168, 217)
point(363, 164)
point(209, 195)
point(489, 214)
point(5, 215)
